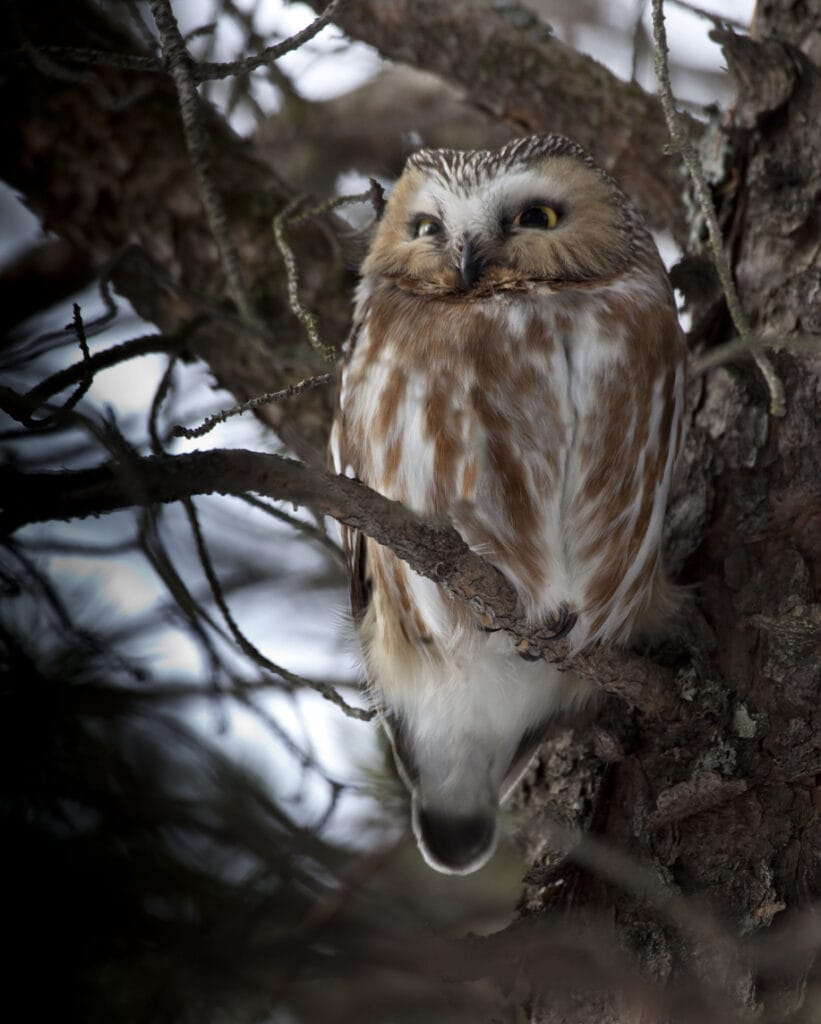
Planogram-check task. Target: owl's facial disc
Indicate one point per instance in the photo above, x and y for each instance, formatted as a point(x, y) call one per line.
point(466, 225)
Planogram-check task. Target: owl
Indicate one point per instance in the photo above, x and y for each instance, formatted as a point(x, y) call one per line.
point(516, 367)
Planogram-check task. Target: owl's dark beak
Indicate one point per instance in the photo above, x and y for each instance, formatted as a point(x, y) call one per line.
point(471, 264)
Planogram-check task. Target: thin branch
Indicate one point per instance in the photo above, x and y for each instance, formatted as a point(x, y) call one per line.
point(738, 347)
point(99, 58)
point(201, 30)
point(683, 143)
point(204, 71)
point(105, 98)
point(305, 759)
point(433, 550)
point(375, 195)
point(719, 20)
point(84, 384)
point(310, 531)
point(305, 316)
point(89, 640)
point(86, 378)
point(57, 546)
point(296, 212)
point(194, 614)
point(180, 65)
point(249, 649)
point(209, 70)
point(20, 408)
point(253, 403)
point(99, 696)
point(254, 40)
point(161, 392)
point(638, 37)
point(63, 379)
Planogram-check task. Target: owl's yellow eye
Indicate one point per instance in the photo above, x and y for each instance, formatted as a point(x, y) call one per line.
point(538, 216)
point(425, 226)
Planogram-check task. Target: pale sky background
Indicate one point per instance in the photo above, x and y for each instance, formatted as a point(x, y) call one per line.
point(302, 630)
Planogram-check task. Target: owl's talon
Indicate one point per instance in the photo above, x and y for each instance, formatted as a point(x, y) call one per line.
point(565, 621)
point(485, 624)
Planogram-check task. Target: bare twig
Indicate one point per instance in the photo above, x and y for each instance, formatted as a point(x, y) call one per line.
point(296, 212)
point(160, 394)
point(249, 649)
point(253, 403)
point(47, 64)
point(170, 690)
point(179, 64)
point(746, 347)
point(57, 546)
point(215, 70)
point(375, 195)
point(21, 407)
point(99, 58)
point(684, 145)
point(716, 19)
point(638, 36)
point(19, 355)
point(189, 607)
point(308, 529)
point(244, 18)
point(87, 376)
point(203, 71)
point(208, 29)
point(305, 316)
point(143, 345)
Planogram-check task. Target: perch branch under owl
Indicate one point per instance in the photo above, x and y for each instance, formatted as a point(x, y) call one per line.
point(434, 550)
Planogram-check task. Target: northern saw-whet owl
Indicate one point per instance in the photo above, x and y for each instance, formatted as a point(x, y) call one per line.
point(515, 366)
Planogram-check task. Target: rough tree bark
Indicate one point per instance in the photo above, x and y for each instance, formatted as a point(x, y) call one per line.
point(722, 800)
point(719, 797)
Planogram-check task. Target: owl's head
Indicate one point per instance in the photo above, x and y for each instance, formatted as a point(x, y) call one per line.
point(468, 223)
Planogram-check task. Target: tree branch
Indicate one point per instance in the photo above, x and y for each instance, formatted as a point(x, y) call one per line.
point(434, 550)
point(117, 354)
point(681, 140)
point(179, 64)
point(210, 422)
point(207, 70)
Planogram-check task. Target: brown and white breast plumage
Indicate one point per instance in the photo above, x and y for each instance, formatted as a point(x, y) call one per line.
point(541, 415)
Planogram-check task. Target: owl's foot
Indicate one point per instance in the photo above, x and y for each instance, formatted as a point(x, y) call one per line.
point(485, 625)
point(561, 626)
point(564, 622)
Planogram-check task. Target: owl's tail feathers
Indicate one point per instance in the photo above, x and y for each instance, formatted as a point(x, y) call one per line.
point(455, 844)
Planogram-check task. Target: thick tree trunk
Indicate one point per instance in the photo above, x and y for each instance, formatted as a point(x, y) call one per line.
point(720, 803)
